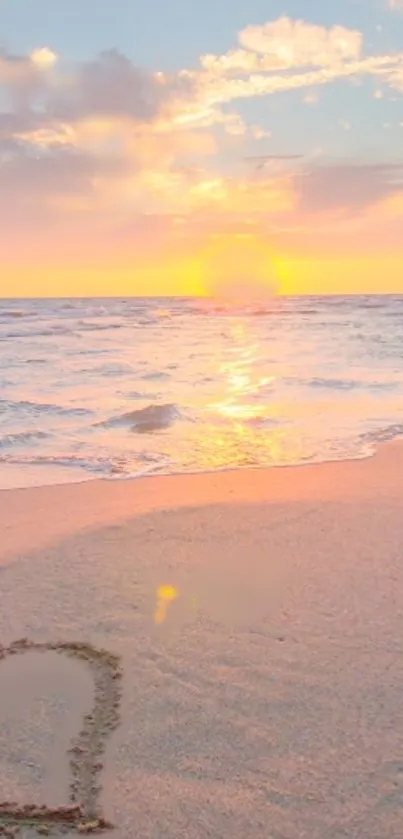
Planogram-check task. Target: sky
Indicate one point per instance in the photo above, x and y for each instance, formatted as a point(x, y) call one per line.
point(178, 147)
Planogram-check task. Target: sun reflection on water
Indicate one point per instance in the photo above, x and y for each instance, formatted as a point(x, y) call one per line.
point(245, 420)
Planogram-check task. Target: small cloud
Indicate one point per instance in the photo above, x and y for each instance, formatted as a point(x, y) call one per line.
point(259, 133)
point(346, 126)
point(43, 58)
point(378, 94)
point(311, 98)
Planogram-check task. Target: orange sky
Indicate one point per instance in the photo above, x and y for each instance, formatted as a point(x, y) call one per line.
point(116, 180)
point(245, 264)
point(342, 275)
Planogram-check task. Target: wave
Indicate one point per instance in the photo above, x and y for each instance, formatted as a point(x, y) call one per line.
point(21, 438)
point(136, 395)
point(381, 302)
point(382, 435)
point(40, 408)
point(13, 313)
point(86, 326)
point(342, 384)
point(144, 321)
point(95, 465)
point(143, 464)
point(37, 333)
point(277, 307)
point(146, 420)
point(335, 384)
point(114, 368)
point(155, 377)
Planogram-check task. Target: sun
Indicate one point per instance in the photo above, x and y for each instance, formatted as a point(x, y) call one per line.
point(239, 266)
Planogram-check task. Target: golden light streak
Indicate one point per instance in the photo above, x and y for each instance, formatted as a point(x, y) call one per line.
point(166, 594)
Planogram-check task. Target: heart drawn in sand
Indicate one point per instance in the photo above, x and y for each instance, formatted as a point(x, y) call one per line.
point(87, 748)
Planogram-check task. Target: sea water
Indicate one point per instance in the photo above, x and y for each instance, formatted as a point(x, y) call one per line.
point(118, 388)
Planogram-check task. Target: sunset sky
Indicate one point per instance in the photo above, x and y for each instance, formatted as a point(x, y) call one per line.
point(173, 146)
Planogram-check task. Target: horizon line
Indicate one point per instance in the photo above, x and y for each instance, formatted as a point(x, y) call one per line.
point(199, 296)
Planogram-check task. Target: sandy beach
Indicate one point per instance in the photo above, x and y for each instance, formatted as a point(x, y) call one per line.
point(208, 656)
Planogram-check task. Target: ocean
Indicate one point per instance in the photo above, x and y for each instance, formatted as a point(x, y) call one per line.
point(119, 388)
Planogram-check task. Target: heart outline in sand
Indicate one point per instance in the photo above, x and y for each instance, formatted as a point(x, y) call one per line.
point(83, 814)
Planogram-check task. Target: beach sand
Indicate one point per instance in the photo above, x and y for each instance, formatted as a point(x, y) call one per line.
point(262, 699)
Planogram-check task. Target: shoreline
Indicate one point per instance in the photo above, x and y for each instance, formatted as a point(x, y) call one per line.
point(15, 469)
point(24, 512)
point(151, 474)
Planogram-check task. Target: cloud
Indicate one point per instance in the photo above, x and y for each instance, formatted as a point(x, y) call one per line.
point(89, 133)
point(286, 44)
point(43, 57)
point(23, 78)
point(393, 76)
point(285, 55)
point(65, 170)
point(105, 145)
point(343, 208)
point(293, 43)
point(395, 5)
point(52, 186)
point(288, 55)
point(110, 85)
point(214, 89)
point(347, 186)
point(16, 70)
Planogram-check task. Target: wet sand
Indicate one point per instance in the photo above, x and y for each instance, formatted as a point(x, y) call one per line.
point(261, 698)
